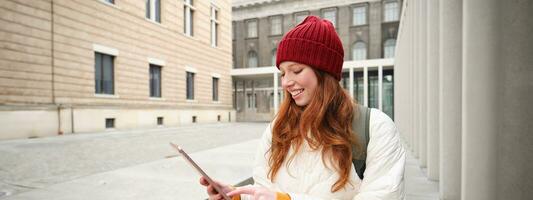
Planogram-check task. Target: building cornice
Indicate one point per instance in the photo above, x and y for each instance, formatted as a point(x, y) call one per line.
point(264, 8)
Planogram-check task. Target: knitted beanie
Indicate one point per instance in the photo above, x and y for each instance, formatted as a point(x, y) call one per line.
point(313, 42)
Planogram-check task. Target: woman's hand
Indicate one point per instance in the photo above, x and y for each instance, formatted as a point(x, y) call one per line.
point(213, 194)
point(257, 193)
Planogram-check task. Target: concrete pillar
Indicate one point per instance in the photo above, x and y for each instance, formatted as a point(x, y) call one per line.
point(422, 81)
point(351, 83)
point(515, 138)
point(479, 100)
point(244, 107)
point(365, 85)
point(411, 78)
point(433, 89)
point(276, 101)
point(450, 23)
point(380, 87)
point(403, 80)
point(414, 53)
point(253, 96)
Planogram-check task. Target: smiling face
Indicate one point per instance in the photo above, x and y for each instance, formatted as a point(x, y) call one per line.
point(299, 80)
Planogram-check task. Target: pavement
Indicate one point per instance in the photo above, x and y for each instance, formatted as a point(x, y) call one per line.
point(417, 185)
point(133, 164)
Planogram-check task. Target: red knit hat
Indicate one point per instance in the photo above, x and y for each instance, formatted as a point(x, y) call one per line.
point(313, 42)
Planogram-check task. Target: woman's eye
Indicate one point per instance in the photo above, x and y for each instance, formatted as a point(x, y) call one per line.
point(297, 72)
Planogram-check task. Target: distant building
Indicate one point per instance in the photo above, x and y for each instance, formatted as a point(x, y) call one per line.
point(367, 29)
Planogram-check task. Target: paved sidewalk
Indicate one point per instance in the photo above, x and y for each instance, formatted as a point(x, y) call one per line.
point(170, 178)
point(131, 164)
point(35, 164)
point(417, 185)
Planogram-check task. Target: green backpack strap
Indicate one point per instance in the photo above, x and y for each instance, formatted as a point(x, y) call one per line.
point(360, 125)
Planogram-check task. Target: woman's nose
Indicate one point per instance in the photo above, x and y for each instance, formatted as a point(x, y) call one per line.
point(285, 82)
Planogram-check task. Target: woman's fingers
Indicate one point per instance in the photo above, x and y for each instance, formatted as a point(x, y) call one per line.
point(203, 181)
point(256, 192)
point(211, 190)
point(242, 190)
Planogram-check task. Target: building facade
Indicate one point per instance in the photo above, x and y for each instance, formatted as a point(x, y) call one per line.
point(367, 29)
point(94, 65)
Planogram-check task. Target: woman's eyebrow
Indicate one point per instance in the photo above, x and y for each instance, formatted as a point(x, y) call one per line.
point(293, 66)
point(290, 67)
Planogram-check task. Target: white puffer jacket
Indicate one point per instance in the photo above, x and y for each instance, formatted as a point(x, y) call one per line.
point(307, 177)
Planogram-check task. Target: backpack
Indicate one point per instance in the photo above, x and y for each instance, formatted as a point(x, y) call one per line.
point(360, 125)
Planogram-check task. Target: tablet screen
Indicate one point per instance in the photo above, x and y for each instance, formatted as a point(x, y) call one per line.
point(199, 170)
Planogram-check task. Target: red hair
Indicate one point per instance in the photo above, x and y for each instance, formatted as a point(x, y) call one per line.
point(327, 118)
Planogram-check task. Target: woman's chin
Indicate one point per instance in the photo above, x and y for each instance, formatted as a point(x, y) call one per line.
point(301, 103)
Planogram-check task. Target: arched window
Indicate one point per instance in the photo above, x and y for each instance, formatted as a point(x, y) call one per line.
point(359, 51)
point(252, 59)
point(389, 46)
point(273, 58)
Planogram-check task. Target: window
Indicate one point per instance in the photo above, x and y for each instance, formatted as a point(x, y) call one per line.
point(391, 11)
point(359, 15)
point(233, 27)
point(272, 98)
point(190, 85)
point(389, 46)
point(358, 85)
point(331, 15)
point(251, 100)
point(275, 25)
point(373, 89)
point(214, 26)
point(273, 59)
point(110, 1)
point(110, 123)
point(345, 80)
point(153, 10)
point(188, 16)
point(251, 27)
point(299, 17)
point(103, 73)
point(215, 89)
point(359, 51)
point(159, 120)
point(193, 119)
point(252, 59)
point(155, 80)
point(388, 92)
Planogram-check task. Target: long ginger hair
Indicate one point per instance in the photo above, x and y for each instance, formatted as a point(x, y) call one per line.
point(326, 122)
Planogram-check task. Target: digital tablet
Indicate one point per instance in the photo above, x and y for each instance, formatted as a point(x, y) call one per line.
point(199, 170)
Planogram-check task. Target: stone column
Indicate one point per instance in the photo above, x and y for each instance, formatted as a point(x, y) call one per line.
point(481, 43)
point(515, 138)
point(450, 23)
point(276, 101)
point(422, 76)
point(414, 53)
point(351, 83)
point(433, 89)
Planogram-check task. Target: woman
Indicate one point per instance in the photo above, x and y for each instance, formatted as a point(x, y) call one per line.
point(306, 152)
